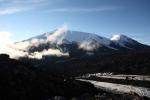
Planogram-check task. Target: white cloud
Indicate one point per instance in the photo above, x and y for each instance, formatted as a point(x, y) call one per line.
point(4, 38)
point(89, 45)
point(15, 6)
point(58, 33)
point(34, 42)
point(12, 10)
point(22, 1)
point(20, 49)
point(21, 46)
point(86, 10)
point(52, 52)
point(5, 43)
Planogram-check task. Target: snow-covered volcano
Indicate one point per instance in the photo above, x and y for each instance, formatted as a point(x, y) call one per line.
point(73, 41)
point(63, 36)
point(126, 42)
point(68, 36)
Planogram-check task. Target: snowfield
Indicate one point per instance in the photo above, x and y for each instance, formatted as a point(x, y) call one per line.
point(119, 88)
point(130, 77)
point(119, 76)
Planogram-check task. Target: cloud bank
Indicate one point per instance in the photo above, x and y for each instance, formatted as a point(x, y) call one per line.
point(20, 49)
point(49, 52)
point(6, 43)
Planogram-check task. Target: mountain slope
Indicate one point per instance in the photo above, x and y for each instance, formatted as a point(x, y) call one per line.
point(78, 43)
point(63, 40)
point(123, 41)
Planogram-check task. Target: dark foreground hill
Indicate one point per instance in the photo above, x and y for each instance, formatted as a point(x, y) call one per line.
point(23, 82)
point(133, 62)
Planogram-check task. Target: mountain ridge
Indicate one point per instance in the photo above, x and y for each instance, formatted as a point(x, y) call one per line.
point(78, 43)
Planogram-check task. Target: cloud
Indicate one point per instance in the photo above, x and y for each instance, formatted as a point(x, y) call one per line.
point(22, 1)
point(5, 43)
point(90, 45)
point(16, 53)
point(12, 10)
point(58, 34)
point(83, 10)
point(20, 49)
point(23, 46)
point(15, 6)
point(52, 52)
point(4, 38)
point(55, 37)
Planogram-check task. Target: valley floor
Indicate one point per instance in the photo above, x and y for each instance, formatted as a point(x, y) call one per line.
point(119, 84)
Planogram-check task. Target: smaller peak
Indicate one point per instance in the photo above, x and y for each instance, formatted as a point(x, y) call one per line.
point(118, 37)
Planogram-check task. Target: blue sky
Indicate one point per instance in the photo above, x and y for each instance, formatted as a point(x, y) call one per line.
point(27, 18)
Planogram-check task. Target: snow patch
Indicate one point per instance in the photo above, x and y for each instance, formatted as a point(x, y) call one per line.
point(115, 37)
point(119, 88)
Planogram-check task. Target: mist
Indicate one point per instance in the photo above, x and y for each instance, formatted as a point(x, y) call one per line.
point(89, 45)
point(20, 49)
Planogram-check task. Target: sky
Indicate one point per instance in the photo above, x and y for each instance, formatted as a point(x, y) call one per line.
point(21, 19)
